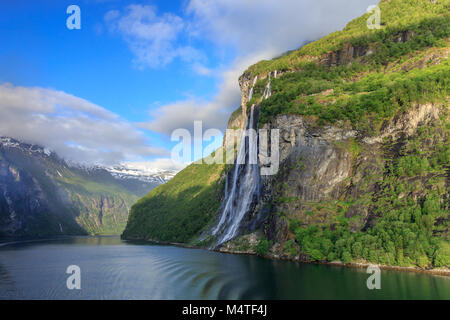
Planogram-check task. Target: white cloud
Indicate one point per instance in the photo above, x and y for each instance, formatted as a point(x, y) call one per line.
point(255, 26)
point(153, 39)
point(76, 129)
point(202, 70)
point(157, 165)
point(257, 30)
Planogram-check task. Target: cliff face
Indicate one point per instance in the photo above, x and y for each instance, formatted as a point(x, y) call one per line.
point(363, 147)
point(328, 173)
point(41, 196)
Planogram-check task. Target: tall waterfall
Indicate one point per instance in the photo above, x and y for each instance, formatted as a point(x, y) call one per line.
point(244, 184)
point(250, 94)
point(267, 91)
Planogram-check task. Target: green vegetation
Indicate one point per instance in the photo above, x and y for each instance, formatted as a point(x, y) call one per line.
point(101, 201)
point(405, 231)
point(361, 79)
point(365, 104)
point(428, 21)
point(364, 90)
point(71, 200)
point(241, 244)
point(290, 248)
point(262, 247)
point(179, 209)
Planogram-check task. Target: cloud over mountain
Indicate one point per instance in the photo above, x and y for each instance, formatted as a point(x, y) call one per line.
point(255, 30)
point(75, 128)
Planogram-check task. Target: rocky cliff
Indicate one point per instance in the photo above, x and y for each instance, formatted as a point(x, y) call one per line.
point(363, 149)
point(41, 195)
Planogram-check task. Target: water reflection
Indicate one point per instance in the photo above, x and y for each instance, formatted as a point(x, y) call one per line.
point(114, 269)
point(5, 278)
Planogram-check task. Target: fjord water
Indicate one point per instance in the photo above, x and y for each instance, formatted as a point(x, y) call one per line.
point(115, 269)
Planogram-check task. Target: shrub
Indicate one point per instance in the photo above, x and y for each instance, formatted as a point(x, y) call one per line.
point(262, 247)
point(346, 257)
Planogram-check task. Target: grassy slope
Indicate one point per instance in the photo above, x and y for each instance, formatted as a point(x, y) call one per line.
point(177, 210)
point(396, 16)
point(365, 92)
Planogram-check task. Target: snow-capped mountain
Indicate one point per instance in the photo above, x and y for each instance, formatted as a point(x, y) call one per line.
point(7, 142)
point(141, 171)
point(43, 195)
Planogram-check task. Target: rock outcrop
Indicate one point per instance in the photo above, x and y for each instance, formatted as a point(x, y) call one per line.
point(42, 196)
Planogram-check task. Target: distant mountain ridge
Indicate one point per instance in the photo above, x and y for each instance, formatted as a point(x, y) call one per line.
point(7, 142)
point(42, 195)
point(141, 172)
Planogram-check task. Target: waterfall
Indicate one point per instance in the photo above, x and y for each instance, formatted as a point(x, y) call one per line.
point(267, 91)
point(244, 184)
point(250, 94)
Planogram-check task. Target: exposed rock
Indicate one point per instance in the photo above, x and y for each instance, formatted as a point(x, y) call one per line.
point(317, 165)
point(277, 230)
point(404, 36)
point(41, 196)
point(346, 55)
point(405, 124)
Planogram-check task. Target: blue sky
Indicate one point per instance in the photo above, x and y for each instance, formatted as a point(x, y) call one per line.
point(92, 63)
point(152, 66)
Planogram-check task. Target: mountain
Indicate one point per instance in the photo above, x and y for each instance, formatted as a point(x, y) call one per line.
point(142, 172)
point(41, 195)
point(364, 153)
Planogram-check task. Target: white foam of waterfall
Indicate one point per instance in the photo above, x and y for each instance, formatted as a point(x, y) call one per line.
point(250, 94)
point(267, 91)
point(245, 184)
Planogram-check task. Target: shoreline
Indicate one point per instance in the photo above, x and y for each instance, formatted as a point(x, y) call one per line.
point(6, 242)
point(437, 272)
point(354, 265)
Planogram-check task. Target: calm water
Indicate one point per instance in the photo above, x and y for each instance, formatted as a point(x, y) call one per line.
point(114, 269)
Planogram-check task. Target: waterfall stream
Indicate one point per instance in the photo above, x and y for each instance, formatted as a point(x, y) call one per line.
point(250, 94)
point(267, 91)
point(244, 184)
point(245, 177)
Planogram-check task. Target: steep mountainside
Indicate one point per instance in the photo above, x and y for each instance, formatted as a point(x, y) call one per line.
point(41, 195)
point(364, 151)
point(142, 172)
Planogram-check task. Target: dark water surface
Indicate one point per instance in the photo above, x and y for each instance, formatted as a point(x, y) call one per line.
point(114, 269)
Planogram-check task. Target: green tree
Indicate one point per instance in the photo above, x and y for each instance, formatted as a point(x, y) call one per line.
point(262, 247)
point(346, 257)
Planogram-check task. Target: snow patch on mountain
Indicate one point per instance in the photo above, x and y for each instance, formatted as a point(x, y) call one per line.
point(141, 171)
point(7, 142)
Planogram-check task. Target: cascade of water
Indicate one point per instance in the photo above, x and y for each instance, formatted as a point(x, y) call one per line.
point(250, 94)
point(267, 92)
point(245, 184)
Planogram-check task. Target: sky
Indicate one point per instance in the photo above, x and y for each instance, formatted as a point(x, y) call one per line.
point(114, 90)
